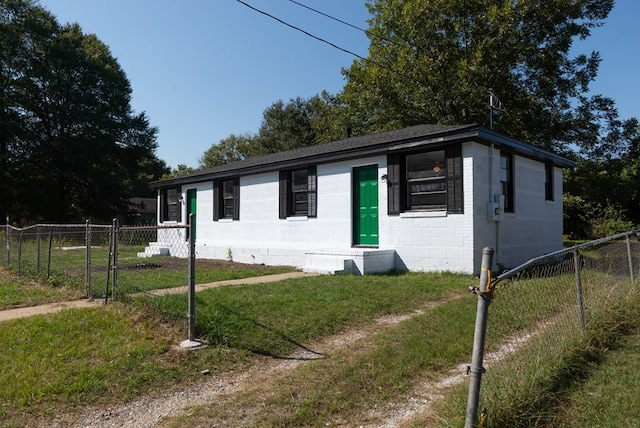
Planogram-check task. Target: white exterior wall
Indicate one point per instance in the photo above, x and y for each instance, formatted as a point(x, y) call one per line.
point(433, 241)
point(535, 226)
point(260, 236)
point(485, 167)
point(427, 241)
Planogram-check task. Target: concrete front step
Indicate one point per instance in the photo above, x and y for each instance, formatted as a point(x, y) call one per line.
point(154, 249)
point(357, 261)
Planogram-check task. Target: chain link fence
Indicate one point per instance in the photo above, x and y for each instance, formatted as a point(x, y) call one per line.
point(106, 260)
point(539, 325)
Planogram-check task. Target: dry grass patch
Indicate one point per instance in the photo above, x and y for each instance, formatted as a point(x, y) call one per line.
point(17, 292)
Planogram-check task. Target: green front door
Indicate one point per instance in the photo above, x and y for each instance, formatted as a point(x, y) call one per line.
point(365, 189)
point(191, 209)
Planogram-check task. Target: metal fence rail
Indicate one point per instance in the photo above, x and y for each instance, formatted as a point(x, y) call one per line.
point(539, 315)
point(106, 260)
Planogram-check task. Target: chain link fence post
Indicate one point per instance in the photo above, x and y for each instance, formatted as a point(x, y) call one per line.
point(50, 243)
point(192, 342)
point(8, 244)
point(531, 341)
point(116, 235)
point(112, 235)
point(20, 254)
point(87, 267)
point(630, 257)
point(192, 282)
point(577, 262)
point(476, 369)
point(38, 238)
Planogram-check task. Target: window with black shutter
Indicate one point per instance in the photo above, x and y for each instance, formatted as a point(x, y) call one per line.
point(299, 188)
point(170, 208)
point(226, 199)
point(298, 196)
point(506, 180)
point(425, 181)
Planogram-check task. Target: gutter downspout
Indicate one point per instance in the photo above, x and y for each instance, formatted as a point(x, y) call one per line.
point(492, 200)
point(491, 172)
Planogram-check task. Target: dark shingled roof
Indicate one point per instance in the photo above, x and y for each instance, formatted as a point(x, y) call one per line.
point(365, 145)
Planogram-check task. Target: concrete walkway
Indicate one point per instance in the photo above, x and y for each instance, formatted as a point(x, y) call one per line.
point(243, 281)
point(10, 314)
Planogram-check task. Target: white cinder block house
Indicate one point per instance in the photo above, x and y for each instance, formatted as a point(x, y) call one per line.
point(423, 198)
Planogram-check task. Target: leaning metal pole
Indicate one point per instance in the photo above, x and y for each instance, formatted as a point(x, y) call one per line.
point(192, 342)
point(192, 282)
point(476, 369)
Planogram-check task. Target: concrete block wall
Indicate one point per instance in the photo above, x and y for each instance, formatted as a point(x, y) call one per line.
point(535, 226)
point(431, 241)
point(436, 240)
point(419, 241)
point(260, 236)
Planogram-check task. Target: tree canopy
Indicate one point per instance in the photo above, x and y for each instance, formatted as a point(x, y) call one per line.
point(434, 61)
point(285, 126)
point(71, 147)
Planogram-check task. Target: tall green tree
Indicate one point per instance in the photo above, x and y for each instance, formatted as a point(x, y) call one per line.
point(231, 149)
point(74, 148)
point(434, 61)
point(298, 123)
point(602, 195)
point(180, 171)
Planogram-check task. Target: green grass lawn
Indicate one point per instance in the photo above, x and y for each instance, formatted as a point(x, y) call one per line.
point(271, 318)
point(19, 291)
point(169, 272)
point(66, 279)
point(61, 362)
point(609, 396)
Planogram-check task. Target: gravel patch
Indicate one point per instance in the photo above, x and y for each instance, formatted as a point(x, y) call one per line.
point(151, 412)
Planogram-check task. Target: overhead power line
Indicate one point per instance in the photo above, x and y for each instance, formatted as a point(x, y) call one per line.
point(329, 16)
point(407, 44)
point(301, 30)
point(327, 42)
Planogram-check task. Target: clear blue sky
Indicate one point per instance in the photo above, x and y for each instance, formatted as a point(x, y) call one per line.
point(205, 69)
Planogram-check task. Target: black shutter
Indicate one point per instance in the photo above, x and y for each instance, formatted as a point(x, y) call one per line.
point(163, 204)
point(312, 194)
point(453, 156)
point(216, 199)
point(236, 198)
point(394, 184)
point(179, 210)
point(284, 192)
